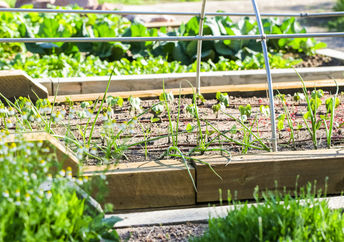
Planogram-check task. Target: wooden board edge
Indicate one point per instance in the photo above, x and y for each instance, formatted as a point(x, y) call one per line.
point(144, 186)
point(31, 88)
point(242, 177)
point(246, 88)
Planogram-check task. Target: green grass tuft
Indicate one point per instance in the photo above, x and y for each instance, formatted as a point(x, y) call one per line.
point(279, 218)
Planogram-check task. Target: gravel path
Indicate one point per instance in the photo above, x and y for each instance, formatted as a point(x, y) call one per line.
point(163, 233)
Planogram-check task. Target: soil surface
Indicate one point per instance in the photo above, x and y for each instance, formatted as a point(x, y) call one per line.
point(123, 134)
point(318, 61)
point(181, 232)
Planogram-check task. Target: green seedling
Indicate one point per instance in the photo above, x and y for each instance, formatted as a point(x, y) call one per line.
point(286, 115)
point(157, 111)
point(135, 104)
point(222, 103)
point(245, 112)
point(250, 138)
point(298, 96)
point(331, 104)
point(114, 101)
point(280, 123)
point(265, 110)
point(313, 103)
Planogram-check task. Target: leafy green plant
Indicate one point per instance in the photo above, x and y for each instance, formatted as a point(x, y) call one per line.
point(157, 111)
point(63, 59)
point(135, 104)
point(30, 212)
point(245, 112)
point(279, 217)
point(298, 96)
point(114, 101)
point(338, 23)
point(222, 102)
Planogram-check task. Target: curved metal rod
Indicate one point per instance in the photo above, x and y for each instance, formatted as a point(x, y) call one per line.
point(199, 49)
point(119, 12)
point(269, 78)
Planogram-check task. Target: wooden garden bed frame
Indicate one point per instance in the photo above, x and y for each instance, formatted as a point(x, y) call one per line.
point(167, 183)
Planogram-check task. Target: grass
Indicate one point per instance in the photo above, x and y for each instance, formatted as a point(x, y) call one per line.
point(279, 218)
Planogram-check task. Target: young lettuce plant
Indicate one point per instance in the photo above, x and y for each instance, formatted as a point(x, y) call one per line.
point(245, 112)
point(157, 111)
point(222, 103)
point(135, 104)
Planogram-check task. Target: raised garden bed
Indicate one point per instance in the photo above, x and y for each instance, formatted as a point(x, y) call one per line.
point(138, 177)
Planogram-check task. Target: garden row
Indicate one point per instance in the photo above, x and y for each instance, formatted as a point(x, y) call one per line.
point(85, 59)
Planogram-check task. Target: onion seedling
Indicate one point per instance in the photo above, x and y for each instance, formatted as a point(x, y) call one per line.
point(331, 104)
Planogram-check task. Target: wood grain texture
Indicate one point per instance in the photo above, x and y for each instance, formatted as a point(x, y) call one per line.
point(128, 83)
point(64, 156)
point(244, 173)
point(147, 184)
point(14, 84)
point(246, 89)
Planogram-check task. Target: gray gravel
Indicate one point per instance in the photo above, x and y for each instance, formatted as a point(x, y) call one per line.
point(180, 232)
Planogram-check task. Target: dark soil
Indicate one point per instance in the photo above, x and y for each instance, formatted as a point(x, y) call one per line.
point(318, 61)
point(181, 232)
point(141, 139)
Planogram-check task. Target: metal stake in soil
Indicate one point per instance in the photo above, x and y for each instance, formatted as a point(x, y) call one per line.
point(199, 49)
point(269, 79)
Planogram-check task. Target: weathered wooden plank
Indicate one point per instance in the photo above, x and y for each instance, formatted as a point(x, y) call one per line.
point(244, 89)
point(147, 184)
point(64, 156)
point(14, 84)
point(244, 173)
point(85, 85)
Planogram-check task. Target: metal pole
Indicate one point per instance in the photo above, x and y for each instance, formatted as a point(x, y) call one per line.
point(168, 38)
point(199, 49)
point(75, 11)
point(269, 79)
